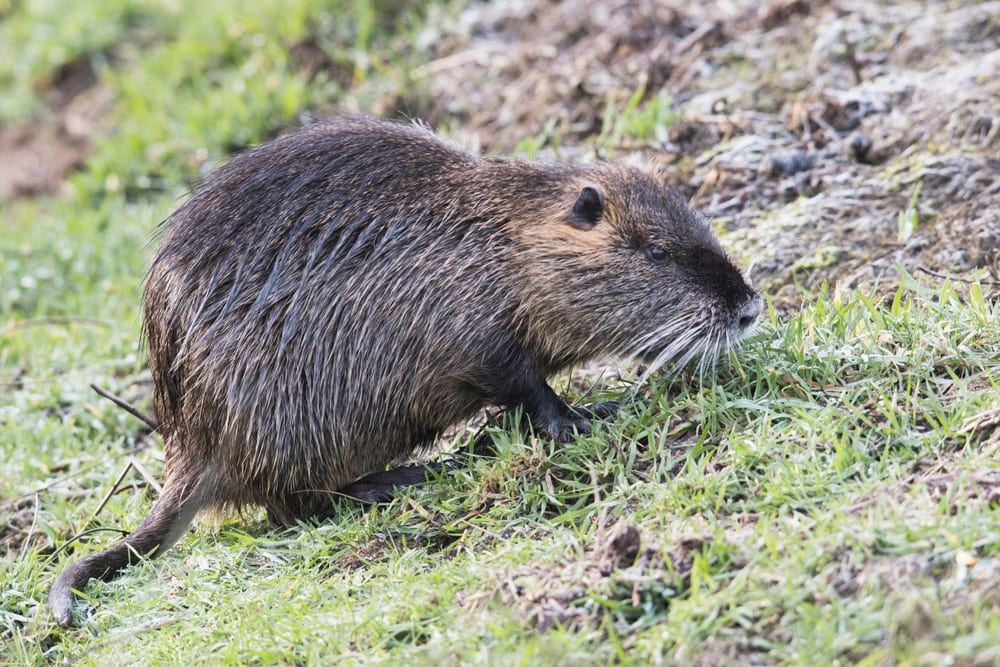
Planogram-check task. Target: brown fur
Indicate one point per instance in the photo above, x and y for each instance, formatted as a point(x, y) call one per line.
point(334, 299)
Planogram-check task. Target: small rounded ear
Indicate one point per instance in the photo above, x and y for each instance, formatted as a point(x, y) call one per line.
point(587, 208)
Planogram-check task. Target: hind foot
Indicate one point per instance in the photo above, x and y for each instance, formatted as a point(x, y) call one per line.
point(382, 486)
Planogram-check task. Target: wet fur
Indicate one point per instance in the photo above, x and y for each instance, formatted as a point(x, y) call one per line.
point(331, 301)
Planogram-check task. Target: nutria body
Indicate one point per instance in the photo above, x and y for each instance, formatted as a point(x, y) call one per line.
point(334, 299)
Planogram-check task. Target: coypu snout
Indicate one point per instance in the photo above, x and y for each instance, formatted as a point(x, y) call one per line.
point(747, 314)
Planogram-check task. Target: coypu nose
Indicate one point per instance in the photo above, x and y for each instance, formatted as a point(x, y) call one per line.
point(749, 312)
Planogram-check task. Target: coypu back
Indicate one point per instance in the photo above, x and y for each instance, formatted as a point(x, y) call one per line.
point(332, 300)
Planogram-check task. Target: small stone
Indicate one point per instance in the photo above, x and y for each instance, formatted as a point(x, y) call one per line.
point(859, 146)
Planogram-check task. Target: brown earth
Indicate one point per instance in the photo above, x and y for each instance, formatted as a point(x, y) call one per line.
point(36, 156)
point(806, 128)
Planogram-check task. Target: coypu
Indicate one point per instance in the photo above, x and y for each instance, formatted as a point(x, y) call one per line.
point(332, 300)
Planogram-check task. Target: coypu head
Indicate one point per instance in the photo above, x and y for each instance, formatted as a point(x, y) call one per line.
point(632, 270)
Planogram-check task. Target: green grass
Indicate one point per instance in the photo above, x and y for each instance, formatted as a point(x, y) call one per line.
point(825, 498)
point(809, 506)
point(639, 121)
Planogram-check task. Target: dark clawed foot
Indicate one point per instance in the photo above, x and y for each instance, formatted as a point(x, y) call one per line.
point(579, 417)
point(382, 487)
point(566, 426)
point(599, 411)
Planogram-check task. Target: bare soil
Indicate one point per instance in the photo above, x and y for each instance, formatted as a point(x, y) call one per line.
point(806, 127)
point(37, 155)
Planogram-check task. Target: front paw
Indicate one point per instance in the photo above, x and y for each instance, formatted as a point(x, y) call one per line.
point(565, 427)
point(577, 419)
point(598, 411)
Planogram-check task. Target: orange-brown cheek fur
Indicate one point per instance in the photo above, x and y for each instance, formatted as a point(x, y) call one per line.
point(553, 235)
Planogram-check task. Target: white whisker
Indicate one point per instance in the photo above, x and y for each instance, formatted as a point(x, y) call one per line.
point(686, 337)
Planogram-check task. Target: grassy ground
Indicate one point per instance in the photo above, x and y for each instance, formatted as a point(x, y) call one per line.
point(832, 496)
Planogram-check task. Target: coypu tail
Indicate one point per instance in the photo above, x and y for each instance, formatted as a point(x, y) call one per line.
point(181, 499)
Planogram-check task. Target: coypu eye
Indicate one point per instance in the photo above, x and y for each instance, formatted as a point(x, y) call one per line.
point(657, 254)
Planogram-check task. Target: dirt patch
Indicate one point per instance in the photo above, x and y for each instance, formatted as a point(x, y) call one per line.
point(359, 559)
point(984, 427)
point(835, 141)
point(617, 575)
point(961, 489)
point(17, 531)
point(36, 156)
point(961, 580)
